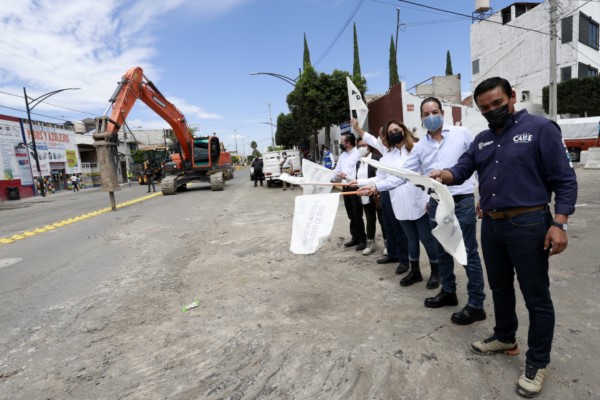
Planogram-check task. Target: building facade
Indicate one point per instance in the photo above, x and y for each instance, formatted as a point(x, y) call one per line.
point(514, 43)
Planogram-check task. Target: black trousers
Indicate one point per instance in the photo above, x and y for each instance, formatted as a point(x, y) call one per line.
point(371, 214)
point(355, 215)
point(258, 177)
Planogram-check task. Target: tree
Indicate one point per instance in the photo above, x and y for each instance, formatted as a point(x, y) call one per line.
point(448, 64)
point(306, 58)
point(394, 78)
point(255, 152)
point(356, 66)
point(576, 96)
point(289, 133)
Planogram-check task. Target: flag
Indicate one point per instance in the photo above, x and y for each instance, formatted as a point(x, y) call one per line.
point(313, 221)
point(448, 231)
point(358, 108)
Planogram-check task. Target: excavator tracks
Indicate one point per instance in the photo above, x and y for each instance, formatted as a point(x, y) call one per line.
point(168, 185)
point(217, 182)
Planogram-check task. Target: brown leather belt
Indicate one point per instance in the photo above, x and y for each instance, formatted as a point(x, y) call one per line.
point(513, 212)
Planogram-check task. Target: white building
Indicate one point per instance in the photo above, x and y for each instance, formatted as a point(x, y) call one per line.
point(514, 43)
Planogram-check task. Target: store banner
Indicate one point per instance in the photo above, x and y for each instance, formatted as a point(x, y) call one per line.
point(24, 165)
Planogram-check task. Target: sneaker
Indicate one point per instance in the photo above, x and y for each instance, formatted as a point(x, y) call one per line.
point(385, 253)
point(530, 383)
point(370, 247)
point(491, 346)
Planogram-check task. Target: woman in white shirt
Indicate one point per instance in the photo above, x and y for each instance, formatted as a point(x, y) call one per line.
point(410, 205)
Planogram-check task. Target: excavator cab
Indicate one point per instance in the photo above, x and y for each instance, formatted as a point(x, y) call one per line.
point(206, 151)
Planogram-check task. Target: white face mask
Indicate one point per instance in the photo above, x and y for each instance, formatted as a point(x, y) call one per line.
point(363, 151)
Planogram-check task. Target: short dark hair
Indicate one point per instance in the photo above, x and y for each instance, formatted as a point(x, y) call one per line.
point(350, 138)
point(491, 83)
point(427, 100)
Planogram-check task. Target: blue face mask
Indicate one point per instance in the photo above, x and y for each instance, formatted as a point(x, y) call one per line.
point(433, 122)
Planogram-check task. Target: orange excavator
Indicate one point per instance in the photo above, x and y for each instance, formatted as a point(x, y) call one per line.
point(198, 158)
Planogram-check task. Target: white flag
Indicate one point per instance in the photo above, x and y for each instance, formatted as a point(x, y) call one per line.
point(358, 108)
point(313, 221)
point(313, 172)
point(448, 231)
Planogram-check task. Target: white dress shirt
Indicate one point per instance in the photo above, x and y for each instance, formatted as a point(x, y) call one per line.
point(408, 201)
point(347, 164)
point(429, 154)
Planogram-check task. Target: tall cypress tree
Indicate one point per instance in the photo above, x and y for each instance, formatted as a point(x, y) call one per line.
point(306, 59)
point(448, 64)
point(356, 68)
point(394, 78)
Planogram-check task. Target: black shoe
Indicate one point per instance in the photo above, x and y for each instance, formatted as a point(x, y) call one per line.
point(402, 268)
point(361, 246)
point(386, 260)
point(468, 315)
point(442, 299)
point(411, 278)
point(434, 281)
point(351, 243)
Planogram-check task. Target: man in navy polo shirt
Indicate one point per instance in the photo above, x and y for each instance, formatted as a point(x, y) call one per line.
point(520, 160)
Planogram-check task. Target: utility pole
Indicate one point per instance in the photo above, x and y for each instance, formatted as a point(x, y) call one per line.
point(552, 101)
point(271, 123)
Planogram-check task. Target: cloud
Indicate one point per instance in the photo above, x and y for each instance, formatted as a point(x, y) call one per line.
point(51, 44)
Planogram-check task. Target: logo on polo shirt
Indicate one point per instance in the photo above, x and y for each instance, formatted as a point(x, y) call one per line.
point(482, 145)
point(523, 138)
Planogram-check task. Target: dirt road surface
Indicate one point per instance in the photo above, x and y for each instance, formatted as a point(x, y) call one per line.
point(274, 325)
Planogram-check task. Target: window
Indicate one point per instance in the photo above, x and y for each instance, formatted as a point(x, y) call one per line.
point(506, 17)
point(586, 70)
point(475, 66)
point(565, 74)
point(566, 30)
point(588, 31)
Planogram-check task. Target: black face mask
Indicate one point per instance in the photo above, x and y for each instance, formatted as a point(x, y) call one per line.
point(342, 147)
point(395, 138)
point(497, 117)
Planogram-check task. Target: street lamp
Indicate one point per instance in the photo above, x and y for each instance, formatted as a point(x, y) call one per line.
point(279, 76)
point(30, 106)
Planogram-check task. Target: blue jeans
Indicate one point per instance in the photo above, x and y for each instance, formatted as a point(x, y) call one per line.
point(419, 229)
point(397, 243)
point(465, 213)
point(517, 244)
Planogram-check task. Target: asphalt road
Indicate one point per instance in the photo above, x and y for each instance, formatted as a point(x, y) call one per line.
point(92, 309)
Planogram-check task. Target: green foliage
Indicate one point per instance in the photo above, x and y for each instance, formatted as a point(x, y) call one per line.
point(448, 64)
point(394, 78)
point(306, 58)
point(138, 156)
point(253, 145)
point(576, 96)
point(235, 159)
point(289, 132)
point(356, 66)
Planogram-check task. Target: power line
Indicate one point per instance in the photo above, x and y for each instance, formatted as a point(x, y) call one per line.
point(41, 115)
point(472, 17)
point(360, 2)
point(52, 104)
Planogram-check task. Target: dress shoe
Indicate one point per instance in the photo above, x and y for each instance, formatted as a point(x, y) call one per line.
point(402, 268)
point(361, 246)
point(468, 315)
point(442, 299)
point(386, 260)
point(351, 243)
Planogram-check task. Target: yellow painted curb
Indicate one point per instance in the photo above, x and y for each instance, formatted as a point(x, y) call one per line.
point(58, 224)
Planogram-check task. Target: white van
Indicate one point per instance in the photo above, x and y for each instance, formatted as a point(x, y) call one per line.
point(271, 167)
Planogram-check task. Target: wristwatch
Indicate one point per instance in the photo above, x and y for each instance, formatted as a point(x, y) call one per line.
point(564, 227)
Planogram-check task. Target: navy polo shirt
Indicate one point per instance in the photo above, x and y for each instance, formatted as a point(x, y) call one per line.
point(521, 166)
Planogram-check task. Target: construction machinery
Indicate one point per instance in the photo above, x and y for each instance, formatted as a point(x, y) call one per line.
point(197, 158)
